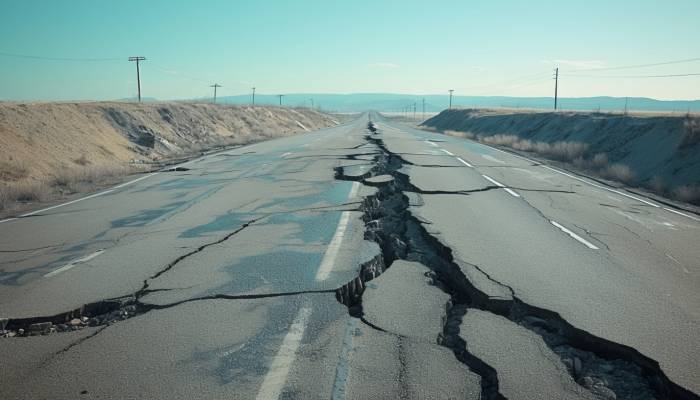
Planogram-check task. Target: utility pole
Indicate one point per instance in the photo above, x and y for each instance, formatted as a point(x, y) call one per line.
point(312, 103)
point(253, 95)
point(280, 96)
point(556, 87)
point(138, 74)
point(216, 85)
point(451, 90)
point(423, 108)
point(414, 111)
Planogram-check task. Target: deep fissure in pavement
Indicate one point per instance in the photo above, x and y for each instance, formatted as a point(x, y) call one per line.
point(607, 369)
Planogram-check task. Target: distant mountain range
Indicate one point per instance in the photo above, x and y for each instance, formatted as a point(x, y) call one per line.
point(388, 102)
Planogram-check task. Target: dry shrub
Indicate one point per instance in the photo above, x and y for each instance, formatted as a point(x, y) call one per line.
point(561, 150)
point(459, 134)
point(81, 179)
point(657, 184)
point(13, 170)
point(687, 193)
point(618, 172)
point(22, 192)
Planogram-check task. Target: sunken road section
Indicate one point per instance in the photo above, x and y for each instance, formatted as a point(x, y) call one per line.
point(608, 370)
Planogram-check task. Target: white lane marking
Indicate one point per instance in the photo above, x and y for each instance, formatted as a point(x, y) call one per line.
point(601, 187)
point(81, 199)
point(673, 211)
point(134, 181)
point(446, 152)
point(92, 196)
point(499, 184)
point(74, 263)
point(575, 236)
point(511, 154)
point(464, 162)
point(279, 369)
point(491, 158)
point(286, 154)
point(333, 248)
point(354, 189)
point(431, 143)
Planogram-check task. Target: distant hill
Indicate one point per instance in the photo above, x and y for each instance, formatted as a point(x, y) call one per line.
point(433, 103)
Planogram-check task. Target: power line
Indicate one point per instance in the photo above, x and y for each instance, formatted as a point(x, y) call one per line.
point(687, 60)
point(632, 76)
point(33, 57)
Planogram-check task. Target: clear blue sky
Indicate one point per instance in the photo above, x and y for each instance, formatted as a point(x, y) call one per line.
point(404, 46)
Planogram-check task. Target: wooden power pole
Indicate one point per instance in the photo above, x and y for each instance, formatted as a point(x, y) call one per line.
point(138, 74)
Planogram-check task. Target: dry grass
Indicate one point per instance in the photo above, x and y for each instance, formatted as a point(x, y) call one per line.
point(618, 172)
point(459, 134)
point(13, 170)
point(561, 150)
point(687, 193)
point(68, 181)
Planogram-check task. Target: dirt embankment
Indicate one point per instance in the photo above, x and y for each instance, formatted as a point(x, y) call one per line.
point(660, 153)
point(67, 147)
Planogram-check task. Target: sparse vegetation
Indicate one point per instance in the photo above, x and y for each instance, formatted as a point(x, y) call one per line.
point(691, 134)
point(688, 193)
point(561, 150)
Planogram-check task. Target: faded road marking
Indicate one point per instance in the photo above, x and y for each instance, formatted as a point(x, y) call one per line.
point(494, 159)
point(446, 152)
point(74, 263)
point(575, 236)
point(279, 369)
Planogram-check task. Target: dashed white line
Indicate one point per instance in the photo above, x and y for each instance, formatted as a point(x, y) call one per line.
point(279, 369)
point(431, 143)
point(575, 236)
point(74, 263)
point(499, 184)
point(286, 154)
point(446, 152)
point(464, 162)
point(601, 186)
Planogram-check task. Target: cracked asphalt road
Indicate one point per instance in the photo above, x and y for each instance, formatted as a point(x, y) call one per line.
point(362, 261)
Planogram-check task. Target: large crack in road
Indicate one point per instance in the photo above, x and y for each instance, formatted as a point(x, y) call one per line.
point(607, 369)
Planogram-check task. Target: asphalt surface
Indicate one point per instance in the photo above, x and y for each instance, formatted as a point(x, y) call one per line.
point(347, 263)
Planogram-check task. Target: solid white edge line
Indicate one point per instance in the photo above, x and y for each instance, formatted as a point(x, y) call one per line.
point(575, 236)
point(673, 211)
point(353, 190)
point(601, 186)
point(447, 152)
point(135, 180)
point(74, 263)
point(331, 253)
point(431, 143)
point(464, 162)
point(92, 196)
point(276, 377)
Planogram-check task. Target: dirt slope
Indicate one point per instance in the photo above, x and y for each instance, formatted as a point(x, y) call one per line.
point(659, 152)
point(38, 139)
point(52, 150)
